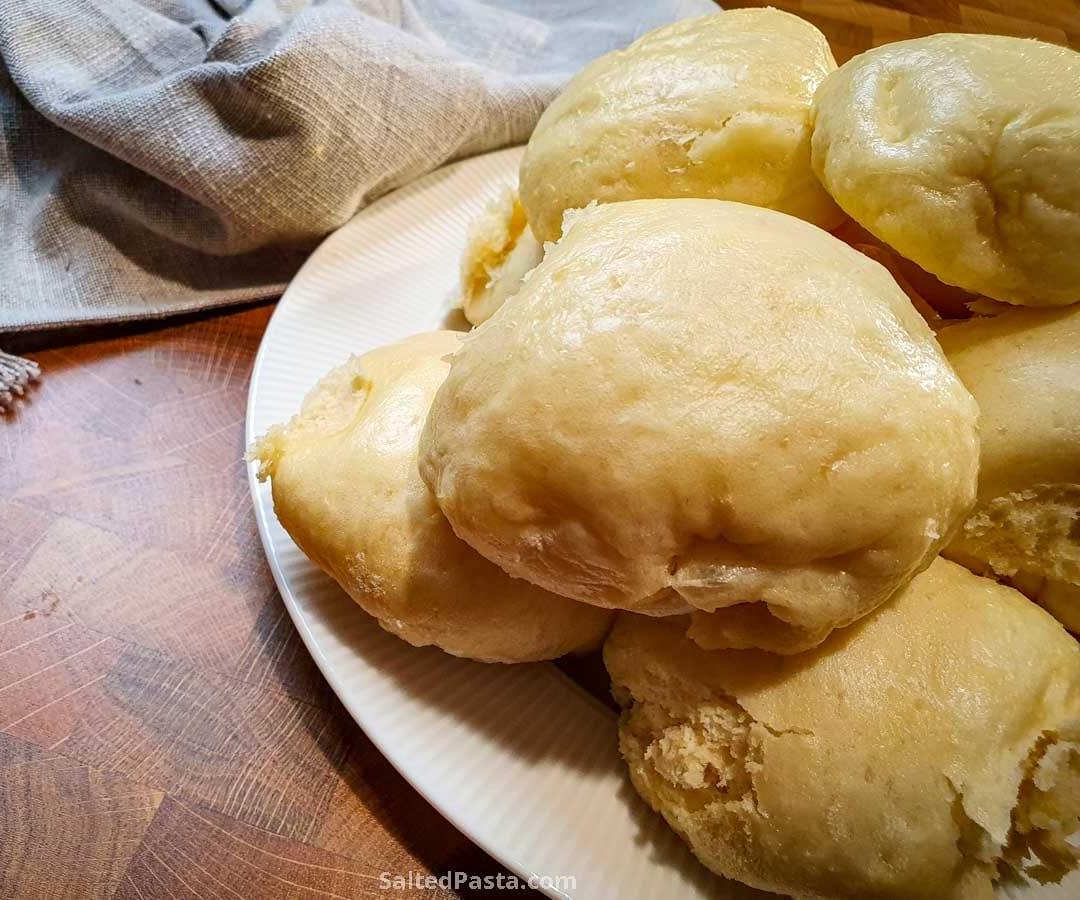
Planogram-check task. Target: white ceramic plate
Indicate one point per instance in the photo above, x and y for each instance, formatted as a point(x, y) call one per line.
point(519, 758)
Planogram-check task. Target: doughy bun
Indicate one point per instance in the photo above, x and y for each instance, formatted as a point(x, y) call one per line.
point(714, 107)
point(695, 403)
point(500, 250)
point(1023, 368)
point(909, 756)
point(962, 152)
point(346, 489)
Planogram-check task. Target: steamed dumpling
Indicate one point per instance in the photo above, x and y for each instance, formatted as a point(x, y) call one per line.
point(962, 152)
point(713, 107)
point(346, 488)
point(500, 250)
point(695, 404)
point(1023, 368)
point(921, 754)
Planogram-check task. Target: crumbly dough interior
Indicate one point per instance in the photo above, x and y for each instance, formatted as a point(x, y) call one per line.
point(925, 752)
point(500, 250)
point(1023, 368)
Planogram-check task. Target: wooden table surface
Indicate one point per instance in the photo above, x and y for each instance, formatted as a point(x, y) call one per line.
point(163, 732)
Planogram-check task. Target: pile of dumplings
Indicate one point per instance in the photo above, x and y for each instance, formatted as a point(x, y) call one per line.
point(774, 393)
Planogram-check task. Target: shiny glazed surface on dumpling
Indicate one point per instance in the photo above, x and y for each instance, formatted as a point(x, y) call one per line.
point(713, 107)
point(702, 404)
point(962, 152)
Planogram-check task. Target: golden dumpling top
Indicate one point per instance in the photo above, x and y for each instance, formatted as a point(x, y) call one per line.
point(713, 107)
point(963, 153)
point(702, 404)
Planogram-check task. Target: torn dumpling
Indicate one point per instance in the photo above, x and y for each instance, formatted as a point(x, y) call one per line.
point(928, 751)
point(500, 250)
point(1023, 369)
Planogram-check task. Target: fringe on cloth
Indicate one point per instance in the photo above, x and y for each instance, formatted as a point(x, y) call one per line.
point(15, 374)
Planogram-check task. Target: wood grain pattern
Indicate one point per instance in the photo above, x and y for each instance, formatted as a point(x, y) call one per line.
point(68, 830)
point(163, 733)
point(192, 852)
point(145, 653)
point(853, 26)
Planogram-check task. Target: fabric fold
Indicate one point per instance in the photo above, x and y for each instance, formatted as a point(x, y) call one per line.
point(160, 156)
